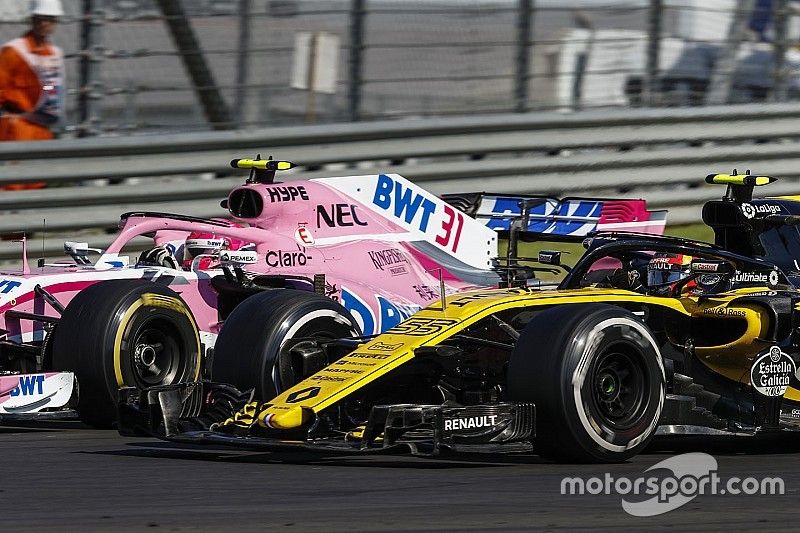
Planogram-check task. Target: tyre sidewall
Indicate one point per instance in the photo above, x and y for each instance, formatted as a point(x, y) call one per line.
point(92, 328)
point(314, 321)
point(549, 368)
point(248, 349)
point(132, 316)
point(591, 338)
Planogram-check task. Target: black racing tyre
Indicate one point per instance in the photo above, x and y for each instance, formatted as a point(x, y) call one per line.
point(118, 333)
point(251, 351)
point(596, 376)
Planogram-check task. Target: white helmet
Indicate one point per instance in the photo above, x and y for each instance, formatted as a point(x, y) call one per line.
point(47, 8)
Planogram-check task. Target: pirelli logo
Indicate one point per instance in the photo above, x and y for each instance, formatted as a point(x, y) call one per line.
point(159, 300)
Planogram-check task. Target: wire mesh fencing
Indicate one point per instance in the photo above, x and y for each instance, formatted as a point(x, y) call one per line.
point(149, 66)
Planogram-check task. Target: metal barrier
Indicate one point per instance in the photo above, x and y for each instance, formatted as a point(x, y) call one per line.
point(661, 155)
point(180, 65)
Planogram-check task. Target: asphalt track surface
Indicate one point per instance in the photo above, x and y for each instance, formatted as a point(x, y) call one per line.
point(64, 476)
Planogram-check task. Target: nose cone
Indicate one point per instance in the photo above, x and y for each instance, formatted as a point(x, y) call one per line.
point(290, 418)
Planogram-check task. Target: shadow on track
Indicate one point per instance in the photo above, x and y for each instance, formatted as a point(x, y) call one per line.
point(723, 446)
point(773, 444)
point(34, 426)
point(168, 450)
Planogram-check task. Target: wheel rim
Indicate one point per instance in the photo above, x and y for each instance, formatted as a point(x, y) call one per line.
point(156, 353)
point(619, 388)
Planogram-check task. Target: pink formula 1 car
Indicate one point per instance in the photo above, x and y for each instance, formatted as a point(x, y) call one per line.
point(334, 257)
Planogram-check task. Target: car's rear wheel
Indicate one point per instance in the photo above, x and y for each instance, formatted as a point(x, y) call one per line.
point(254, 348)
point(119, 333)
point(596, 376)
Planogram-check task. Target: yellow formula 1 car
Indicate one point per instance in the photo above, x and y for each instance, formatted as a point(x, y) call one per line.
point(644, 335)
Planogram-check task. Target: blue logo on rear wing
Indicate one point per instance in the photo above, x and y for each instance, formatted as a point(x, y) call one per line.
point(550, 216)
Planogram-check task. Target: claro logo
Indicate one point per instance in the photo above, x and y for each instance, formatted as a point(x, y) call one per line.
point(282, 258)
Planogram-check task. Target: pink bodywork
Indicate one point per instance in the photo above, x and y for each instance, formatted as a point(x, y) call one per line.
point(369, 261)
point(384, 245)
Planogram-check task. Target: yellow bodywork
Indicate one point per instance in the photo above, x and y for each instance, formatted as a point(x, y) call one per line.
point(433, 325)
point(739, 179)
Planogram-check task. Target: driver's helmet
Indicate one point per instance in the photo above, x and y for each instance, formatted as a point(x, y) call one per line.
point(665, 271)
point(204, 247)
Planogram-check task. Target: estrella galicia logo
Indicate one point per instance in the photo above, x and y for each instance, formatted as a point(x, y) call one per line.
point(771, 372)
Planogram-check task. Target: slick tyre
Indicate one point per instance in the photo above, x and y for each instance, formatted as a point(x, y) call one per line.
point(119, 333)
point(252, 350)
point(596, 376)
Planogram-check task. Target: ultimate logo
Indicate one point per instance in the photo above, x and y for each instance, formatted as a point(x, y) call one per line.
point(771, 278)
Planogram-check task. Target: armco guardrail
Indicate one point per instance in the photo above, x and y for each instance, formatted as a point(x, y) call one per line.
point(661, 155)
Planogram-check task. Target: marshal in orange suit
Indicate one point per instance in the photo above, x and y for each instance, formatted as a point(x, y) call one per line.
point(32, 81)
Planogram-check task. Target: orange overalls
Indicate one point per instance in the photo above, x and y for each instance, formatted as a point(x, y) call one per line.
point(31, 92)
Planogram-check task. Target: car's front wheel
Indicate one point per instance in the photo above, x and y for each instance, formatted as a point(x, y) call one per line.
point(254, 348)
point(119, 333)
point(596, 376)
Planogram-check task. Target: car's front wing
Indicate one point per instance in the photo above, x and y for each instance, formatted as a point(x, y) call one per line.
point(42, 396)
point(194, 413)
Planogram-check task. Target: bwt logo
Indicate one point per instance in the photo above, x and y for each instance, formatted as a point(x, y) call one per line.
point(6, 285)
point(28, 386)
point(403, 202)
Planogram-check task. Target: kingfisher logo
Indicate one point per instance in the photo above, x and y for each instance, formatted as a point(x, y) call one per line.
point(389, 257)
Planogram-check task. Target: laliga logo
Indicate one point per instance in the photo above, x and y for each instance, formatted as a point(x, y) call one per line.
point(750, 210)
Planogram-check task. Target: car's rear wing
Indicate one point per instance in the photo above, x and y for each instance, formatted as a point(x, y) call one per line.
point(551, 218)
